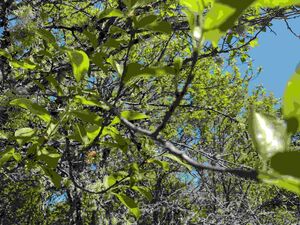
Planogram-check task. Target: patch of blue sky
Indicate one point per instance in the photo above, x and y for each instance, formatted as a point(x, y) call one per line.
point(91, 82)
point(52, 98)
point(56, 198)
point(278, 54)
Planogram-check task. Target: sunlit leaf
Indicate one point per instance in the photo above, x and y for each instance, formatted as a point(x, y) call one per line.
point(110, 13)
point(222, 17)
point(287, 182)
point(91, 102)
point(33, 108)
point(24, 134)
point(6, 155)
point(129, 203)
point(176, 159)
point(144, 191)
point(268, 134)
point(50, 156)
point(129, 115)
point(291, 103)
point(88, 116)
point(277, 3)
point(109, 181)
point(163, 164)
point(80, 63)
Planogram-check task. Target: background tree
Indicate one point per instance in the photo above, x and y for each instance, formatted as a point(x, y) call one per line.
point(117, 112)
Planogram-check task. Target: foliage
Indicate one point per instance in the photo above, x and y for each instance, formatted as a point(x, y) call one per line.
point(137, 112)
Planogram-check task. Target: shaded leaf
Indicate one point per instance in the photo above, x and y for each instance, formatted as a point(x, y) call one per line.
point(55, 85)
point(92, 38)
point(54, 176)
point(47, 36)
point(287, 163)
point(160, 26)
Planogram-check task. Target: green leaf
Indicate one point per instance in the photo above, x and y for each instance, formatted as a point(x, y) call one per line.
point(6, 155)
point(135, 70)
point(24, 134)
point(144, 191)
point(160, 26)
point(50, 156)
point(80, 135)
point(54, 176)
point(118, 67)
point(145, 20)
point(90, 102)
point(129, 115)
point(17, 156)
point(5, 54)
point(47, 36)
point(109, 181)
point(80, 63)
point(222, 17)
point(162, 164)
point(287, 163)
point(87, 116)
point(286, 182)
point(268, 134)
point(277, 3)
point(99, 60)
point(129, 203)
point(92, 38)
point(175, 158)
point(291, 103)
point(92, 132)
point(25, 64)
point(55, 85)
point(110, 13)
point(33, 108)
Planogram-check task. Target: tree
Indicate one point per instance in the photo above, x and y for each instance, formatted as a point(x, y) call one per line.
point(117, 112)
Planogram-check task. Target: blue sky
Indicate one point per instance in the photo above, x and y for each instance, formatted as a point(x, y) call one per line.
point(278, 55)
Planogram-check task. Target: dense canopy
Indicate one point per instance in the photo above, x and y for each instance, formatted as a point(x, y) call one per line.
point(139, 112)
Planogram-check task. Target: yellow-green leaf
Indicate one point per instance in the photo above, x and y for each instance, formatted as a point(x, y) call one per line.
point(80, 63)
point(33, 108)
point(291, 102)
